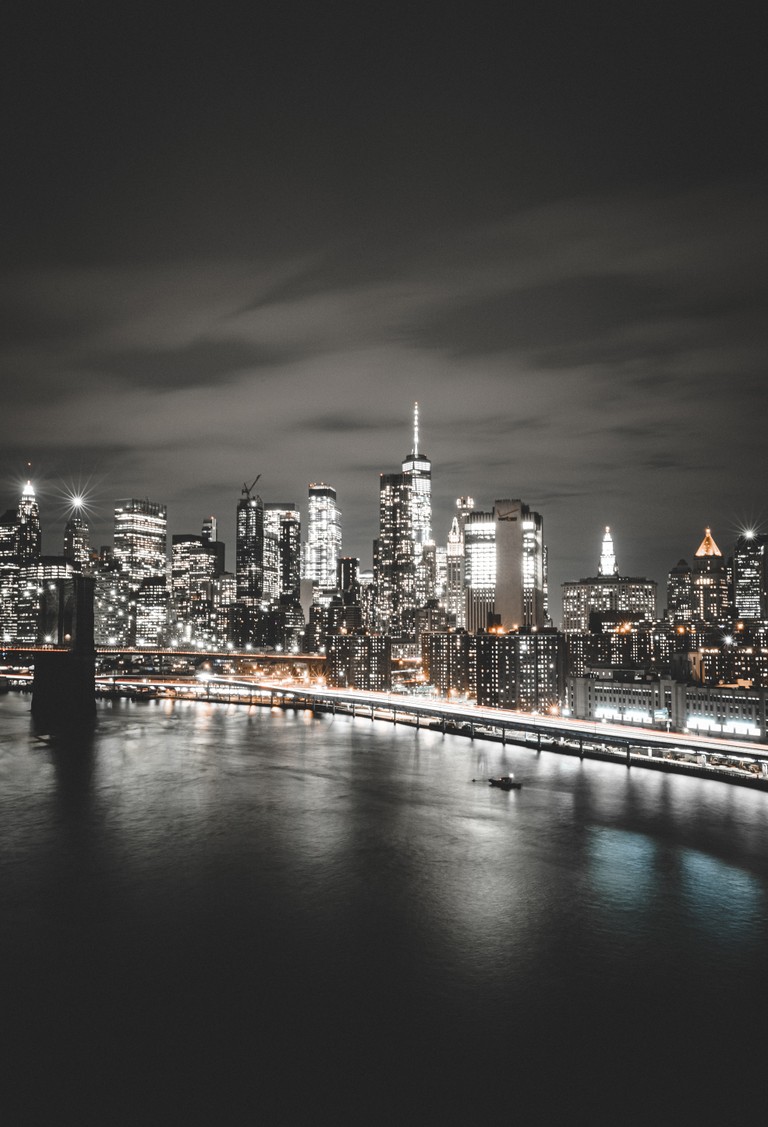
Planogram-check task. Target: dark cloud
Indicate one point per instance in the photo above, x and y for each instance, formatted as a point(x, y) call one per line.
point(559, 313)
point(248, 244)
point(200, 363)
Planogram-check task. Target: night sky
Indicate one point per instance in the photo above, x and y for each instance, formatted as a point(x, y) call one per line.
point(245, 244)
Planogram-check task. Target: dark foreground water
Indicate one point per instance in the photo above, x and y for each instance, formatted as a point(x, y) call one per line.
point(224, 915)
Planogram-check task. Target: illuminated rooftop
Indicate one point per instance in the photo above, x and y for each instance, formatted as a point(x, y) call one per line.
point(708, 547)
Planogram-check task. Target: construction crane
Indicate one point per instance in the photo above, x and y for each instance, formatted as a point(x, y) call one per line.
point(248, 488)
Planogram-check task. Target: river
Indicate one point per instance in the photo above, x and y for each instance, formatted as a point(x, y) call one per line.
point(223, 914)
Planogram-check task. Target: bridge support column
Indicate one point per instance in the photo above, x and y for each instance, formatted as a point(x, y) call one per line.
point(471, 730)
point(629, 757)
point(581, 747)
point(503, 737)
point(443, 725)
point(418, 718)
point(64, 685)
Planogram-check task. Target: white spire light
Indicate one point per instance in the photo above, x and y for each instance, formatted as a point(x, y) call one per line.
point(608, 565)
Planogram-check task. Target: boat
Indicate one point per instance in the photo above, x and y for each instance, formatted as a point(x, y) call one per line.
point(506, 782)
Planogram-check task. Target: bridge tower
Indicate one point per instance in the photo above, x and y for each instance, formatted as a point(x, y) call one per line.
point(63, 689)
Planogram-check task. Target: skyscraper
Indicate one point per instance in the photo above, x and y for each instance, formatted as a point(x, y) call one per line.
point(750, 576)
point(393, 560)
point(29, 533)
point(140, 540)
point(405, 563)
point(479, 569)
point(9, 576)
point(454, 584)
point(519, 565)
point(282, 519)
point(249, 548)
point(28, 549)
point(711, 601)
point(680, 592)
point(323, 545)
point(140, 551)
point(417, 472)
point(607, 593)
point(77, 543)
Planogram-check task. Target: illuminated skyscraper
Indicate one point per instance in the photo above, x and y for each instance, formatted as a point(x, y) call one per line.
point(454, 584)
point(750, 576)
point(9, 576)
point(77, 544)
point(140, 540)
point(193, 572)
point(140, 551)
point(680, 593)
point(393, 560)
point(607, 593)
point(29, 533)
point(323, 545)
point(282, 520)
point(28, 548)
point(249, 548)
point(711, 601)
point(417, 472)
point(519, 565)
point(405, 560)
point(479, 569)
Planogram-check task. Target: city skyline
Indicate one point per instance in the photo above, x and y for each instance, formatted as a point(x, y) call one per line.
point(79, 506)
point(246, 249)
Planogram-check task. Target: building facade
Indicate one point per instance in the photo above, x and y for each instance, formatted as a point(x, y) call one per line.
point(607, 593)
point(323, 546)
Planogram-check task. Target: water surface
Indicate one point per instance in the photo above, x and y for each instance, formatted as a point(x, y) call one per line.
point(224, 914)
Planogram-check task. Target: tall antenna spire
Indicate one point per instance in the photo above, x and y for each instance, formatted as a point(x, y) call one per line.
point(415, 428)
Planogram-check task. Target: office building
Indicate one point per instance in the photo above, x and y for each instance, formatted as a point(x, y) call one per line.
point(750, 577)
point(77, 544)
point(394, 558)
point(323, 545)
point(29, 532)
point(479, 570)
point(9, 576)
point(249, 548)
point(140, 540)
point(282, 521)
point(453, 598)
point(711, 596)
point(680, 593)
point(607, 593)
point(520, 592)
point(417, 472)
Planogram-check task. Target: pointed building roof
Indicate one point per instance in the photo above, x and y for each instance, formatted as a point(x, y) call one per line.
point(608, 565)
point(708, 547)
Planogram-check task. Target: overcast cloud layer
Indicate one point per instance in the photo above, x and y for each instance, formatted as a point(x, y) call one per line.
point(591, 341)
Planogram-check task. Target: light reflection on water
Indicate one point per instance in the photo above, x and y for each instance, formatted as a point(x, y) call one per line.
point(343, 895)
